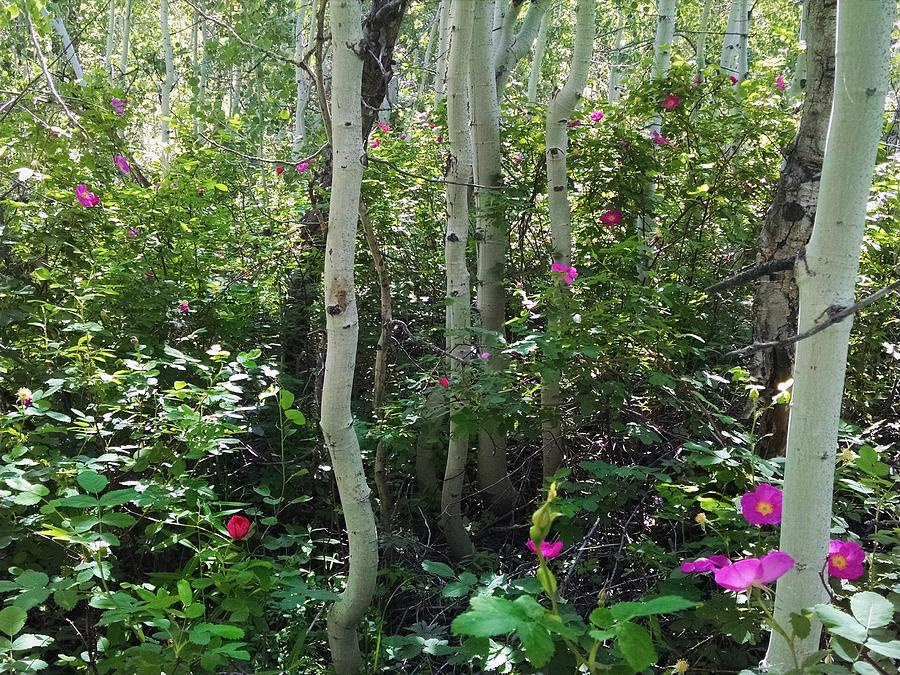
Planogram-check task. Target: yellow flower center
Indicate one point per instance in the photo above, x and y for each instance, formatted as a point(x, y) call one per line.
point(764, 508)
point(839, 561)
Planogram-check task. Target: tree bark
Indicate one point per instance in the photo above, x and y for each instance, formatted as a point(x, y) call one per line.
point(380, 30)
point(540, 49)
point(440, 71)
point(490, 223)
point(71, 55)
point(734, 46)
point(826, 277)
point(509, 57)
point(301, 79)
point(342, 327)
point(458, 175)
point(801, 71)
point(562, 105)
point(788, 224)
point(110, 37)
point(126, 39)
point(702, 35)
point(614, 87)
point(168, 82)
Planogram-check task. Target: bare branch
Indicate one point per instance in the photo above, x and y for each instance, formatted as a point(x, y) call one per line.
point(751, 273)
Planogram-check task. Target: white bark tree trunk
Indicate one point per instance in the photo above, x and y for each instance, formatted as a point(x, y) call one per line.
point(540, 49)
point(168, 82)
point(301, 79)
point(342, 326)
point(440, 70)
point(798, 83)
point(234, 101)
point(490, 223)
point(426, 61)
point(507, 59)
point(734, 46)
point(126, 39)
point(562, 105)
point(614, 88)
point(703, 34)
point(827, 276)
point(505, 27)
point(458, 175)
point(111, 38)
point(71, 55)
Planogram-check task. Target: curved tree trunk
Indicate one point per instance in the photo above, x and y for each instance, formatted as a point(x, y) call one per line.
point(490, 223)
point(342, 325)
point(703, 34)
point(440, 69)
point(540, 48)
point(168, 82)
point(459, 173)
point(301, 79)
point(789, 223)
point(562, 105)
point(614, 86)
point(126, 39)
point(733, 60)
point(827, 276)
point(508, 56)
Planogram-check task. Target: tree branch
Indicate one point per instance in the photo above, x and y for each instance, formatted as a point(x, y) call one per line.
point(749, 274)
point(835, 314)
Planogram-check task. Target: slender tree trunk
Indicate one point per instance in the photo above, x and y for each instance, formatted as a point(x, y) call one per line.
point(440, 71)
point(505, 29)
point(507, 59)
point(614, 88)
point(110, 38)
point(734, 46)
point(426, 60)
point(562, 105)
point(234, 102)
point(342, 326)
point(490, 223)
point(703, 34)
point(205, 37)
point(789, 223)
point(166, 89)
point(827, 276)
point(540, 49)
point(126, 39)
point(301, 79)
point(459, 173)
point(71, 55)
point(798, 82)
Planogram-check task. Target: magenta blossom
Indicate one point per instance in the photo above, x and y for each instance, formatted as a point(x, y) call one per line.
point(484, 356)
point(569, 273)
point(302, 166)
point(597, 115)
point(122, 163)
point(610, 218)
point(762, 506)
point(671, 102)
point(118, 106)
point(375, 143)
point(732, 79)
point(658, 138)
point(132, 232)
point(779, 82)
point(444, 381)
point(517, 158)
point(440, 138)
point(549, 550)
point(384, 126)
point(184, 307)
point(845, 559)
point(573, 123)
point(749, 572)
point(85, 196)
point(710, 564)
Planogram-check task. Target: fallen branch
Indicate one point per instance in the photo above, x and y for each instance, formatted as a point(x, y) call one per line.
point(835, 314)
point(256, 158)
point(778, 265)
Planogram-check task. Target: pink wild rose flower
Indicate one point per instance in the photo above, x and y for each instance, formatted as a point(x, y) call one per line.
point(569, 273)
point(85, 196)
point(671, 102)
point(612, 217)
point(484, 356)
point(658, 138)
point(384, 126)
point(375, 143)
point(517, 158)
point(549, 550)
point(597, 115)
point(845, 559)
point(749, 572)
point(184, 307)
point(732, 79)
point(779, 82)
point(118, 106)
point(762, 506)
point(122, 163)
point(710, 564)
point(132, 232)
point(444, 381)
point(279, 170)
point(302, 166)
point(440, 138)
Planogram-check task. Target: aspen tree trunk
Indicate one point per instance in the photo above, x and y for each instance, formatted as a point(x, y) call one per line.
point(440, 70)
point(540, 49)
point(111, 37)
point(490, 223)
point(458, 175)
point(390, 99)
point(166, 89)
point(301, 79)
point(126, 39)
point(703, 34)
point(234, 102)
point(426, 61)
point(798, 82)
point(788, 224)
point(614, 88)
point(342, 327)
point(827, 276)
point(734, 47)
point(562, 105)
point(71, 55)
point(195, 60)
point(205, 37)
point(509, 57)
point(505, 29)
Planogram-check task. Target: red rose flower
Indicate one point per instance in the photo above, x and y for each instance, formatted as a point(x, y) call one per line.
point(238, 527)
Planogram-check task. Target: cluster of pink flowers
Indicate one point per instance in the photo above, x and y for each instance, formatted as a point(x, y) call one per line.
point(376, 142)
point(118, 106)
point(85, 196)
point(384, 126)
point(569, 273)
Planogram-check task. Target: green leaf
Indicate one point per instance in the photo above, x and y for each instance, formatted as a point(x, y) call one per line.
point(65, 599)
point(664, 604)
point(117, 497)
point(844, 648)
point(227, 632)
point(800, 625)
point(185, 594)
point(602, 617)
point(868, 462)
point(871, 610)
point(12, 620)
point(79, 502)
point(487, 616)
point(285, 399)
point(32, 579)
point(537, 643)
point(438, 568)
point(890, 649)
point(199, 635)
point(92, 481)
point(865, 668)
point(841, 623)
point(118, 519)
point(30, 641)
point(296, 417)
point(636, 645)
